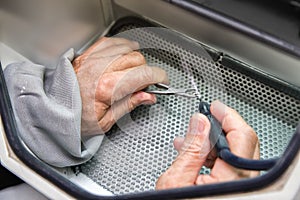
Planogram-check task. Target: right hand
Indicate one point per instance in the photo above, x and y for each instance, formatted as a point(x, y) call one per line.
point(195, 151)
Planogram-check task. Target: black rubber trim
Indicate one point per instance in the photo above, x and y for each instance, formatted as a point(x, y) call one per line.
point(138, 22)
point(244, 185)
point(237, 25)
point(261, 76)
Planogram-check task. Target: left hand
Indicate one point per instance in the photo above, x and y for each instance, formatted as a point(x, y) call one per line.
point(111, 77)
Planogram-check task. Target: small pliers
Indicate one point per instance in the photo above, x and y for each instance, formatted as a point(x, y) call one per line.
point(167, 90)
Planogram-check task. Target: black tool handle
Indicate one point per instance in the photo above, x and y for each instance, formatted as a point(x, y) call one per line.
point(217, 135)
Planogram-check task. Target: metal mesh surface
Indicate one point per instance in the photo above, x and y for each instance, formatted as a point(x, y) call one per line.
point(140, 147)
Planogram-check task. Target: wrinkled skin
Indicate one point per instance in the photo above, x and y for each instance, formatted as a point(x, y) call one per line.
point(111, 76)
point(194, 151)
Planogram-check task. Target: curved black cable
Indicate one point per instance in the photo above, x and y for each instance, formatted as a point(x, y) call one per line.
point(217, 138)
point(243, 163)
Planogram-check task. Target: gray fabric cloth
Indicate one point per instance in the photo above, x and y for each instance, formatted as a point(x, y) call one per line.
point(47, 106)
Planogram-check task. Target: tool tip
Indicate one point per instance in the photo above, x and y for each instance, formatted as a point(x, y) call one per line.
point(198, 96)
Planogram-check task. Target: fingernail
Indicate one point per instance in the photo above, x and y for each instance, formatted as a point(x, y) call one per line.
point(218, 109)
point(197, 125)
point(136, 44)
point(154, 99)
point(149, 99)
point(218, 105)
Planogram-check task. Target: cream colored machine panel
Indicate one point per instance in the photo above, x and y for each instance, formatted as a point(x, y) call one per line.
point(43, 30)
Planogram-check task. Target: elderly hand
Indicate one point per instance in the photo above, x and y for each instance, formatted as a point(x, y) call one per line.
point(194, 151)
point(111, 76)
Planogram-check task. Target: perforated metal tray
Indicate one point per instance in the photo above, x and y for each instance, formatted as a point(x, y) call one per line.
point(139, 148)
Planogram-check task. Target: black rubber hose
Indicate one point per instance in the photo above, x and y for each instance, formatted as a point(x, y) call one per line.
point(238, 162)
point(218, 140)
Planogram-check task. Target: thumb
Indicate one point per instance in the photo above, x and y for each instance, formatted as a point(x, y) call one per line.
point(192, 155)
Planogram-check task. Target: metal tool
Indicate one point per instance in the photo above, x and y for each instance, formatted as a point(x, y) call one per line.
point(168, 90)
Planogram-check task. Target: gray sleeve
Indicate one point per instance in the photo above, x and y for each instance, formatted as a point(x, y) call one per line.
point(47, 106)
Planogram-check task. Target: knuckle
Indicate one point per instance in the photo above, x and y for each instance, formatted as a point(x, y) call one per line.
point(112, 41)
point(131, 105)
point(147, 73)
point(163, 77)
point(249, 135)
point(105, 124)
point(139, 57)
point(252, 134)
point(77, 62)
point(124, 49)
point(134, 101)
point(104, 87)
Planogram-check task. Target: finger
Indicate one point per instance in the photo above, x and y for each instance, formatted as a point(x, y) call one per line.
point(130, 60)
point(228, 117)
point(209, 162)
point(178, 142)
point(256, 156)
point(113, 75)
point(105, 47)
point(242, 141)
point(115, 86)
point(106, 42)
point(115, 41)
point(138, 78)
point(120, 108)
point(196, 141)
point(206, 179)
point(185, 169)
point(95, 45)
point(114, 50)
point(241, 138)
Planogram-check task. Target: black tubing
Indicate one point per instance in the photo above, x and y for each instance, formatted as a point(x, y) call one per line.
point(218, 140)
point(243, 163)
